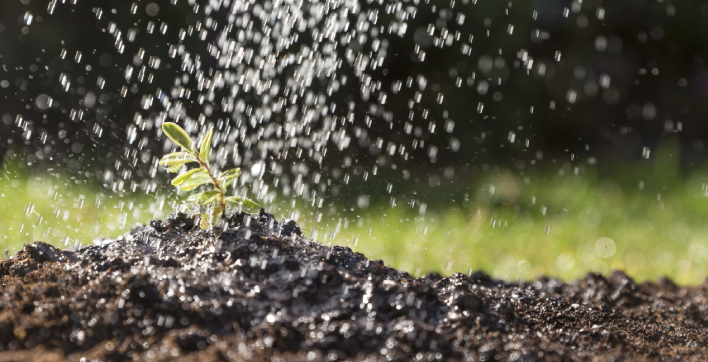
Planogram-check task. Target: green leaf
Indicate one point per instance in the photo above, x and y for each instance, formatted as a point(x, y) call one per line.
point(205, 223)
point(177, 159)
point(193, 198)
point(178, 135)
point(232, 172)
point(249, 206)
point(208, 196)
point(206, 146)
point(217, 213)
point(187, 175)
point(226, 183)
point(228, 177)
point(195, 181)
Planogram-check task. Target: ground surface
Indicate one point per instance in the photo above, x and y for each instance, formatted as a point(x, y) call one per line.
point(259, 290)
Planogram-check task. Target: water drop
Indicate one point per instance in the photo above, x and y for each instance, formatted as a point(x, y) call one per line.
point(605, 247)
point(43, 102)
point(604, 81)
point(646, 152)
point(151, 9)
point(460, 18)
point(571, 96)
point(28, 18)
point(565, 262)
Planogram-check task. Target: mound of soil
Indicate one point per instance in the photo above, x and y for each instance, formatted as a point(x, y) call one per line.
point(259, 290)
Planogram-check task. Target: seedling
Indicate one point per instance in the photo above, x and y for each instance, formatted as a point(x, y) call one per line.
point(213, 201)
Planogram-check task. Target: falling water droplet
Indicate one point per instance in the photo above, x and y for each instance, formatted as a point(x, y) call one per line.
point(604, 81)
point(28, 18)
point(646, 152)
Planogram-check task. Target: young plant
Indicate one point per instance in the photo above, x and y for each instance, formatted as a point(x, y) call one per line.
point(214, 201)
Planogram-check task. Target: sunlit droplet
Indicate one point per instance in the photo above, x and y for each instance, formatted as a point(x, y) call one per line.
point(605, 247)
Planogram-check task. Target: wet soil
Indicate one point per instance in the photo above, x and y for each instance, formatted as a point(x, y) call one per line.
point(259, 290)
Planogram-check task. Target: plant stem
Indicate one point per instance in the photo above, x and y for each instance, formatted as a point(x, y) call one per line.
point(222, 192)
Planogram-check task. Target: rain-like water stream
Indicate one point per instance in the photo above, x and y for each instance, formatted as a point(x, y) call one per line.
point(336, 111)
point(414, 142)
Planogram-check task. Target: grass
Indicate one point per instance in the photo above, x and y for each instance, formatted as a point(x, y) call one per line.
point(67, 211)
point(513, 227)
point(561, 226)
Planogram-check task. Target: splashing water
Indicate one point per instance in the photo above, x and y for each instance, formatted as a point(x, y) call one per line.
point(328, 106)
point(287, 84)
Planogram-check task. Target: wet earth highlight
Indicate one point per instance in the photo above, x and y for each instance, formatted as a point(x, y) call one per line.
point(257, 289)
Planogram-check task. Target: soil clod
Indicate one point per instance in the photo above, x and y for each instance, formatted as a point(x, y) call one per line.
point(257, 289)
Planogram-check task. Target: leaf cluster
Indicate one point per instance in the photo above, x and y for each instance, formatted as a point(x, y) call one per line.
point(215, 200)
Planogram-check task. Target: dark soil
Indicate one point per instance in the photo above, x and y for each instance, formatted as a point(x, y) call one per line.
point(262, 291)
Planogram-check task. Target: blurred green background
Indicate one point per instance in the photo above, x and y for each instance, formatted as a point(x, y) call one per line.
point(561, 223)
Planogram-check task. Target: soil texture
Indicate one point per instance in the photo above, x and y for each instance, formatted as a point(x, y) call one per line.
point(257, 289)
